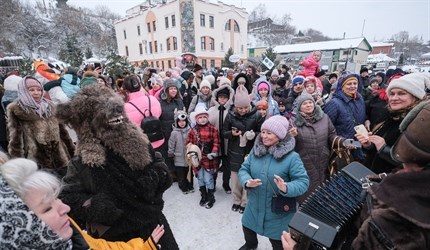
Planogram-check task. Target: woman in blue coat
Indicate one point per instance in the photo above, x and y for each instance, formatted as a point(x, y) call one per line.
point(272, 167)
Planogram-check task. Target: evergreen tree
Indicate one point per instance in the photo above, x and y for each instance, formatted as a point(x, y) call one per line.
point(26, 67)
point(401, 59)
point(70, 52)
point(116, 65)
point(226, 62)
point(300, 33)
point(88, 53)
point(269, 53)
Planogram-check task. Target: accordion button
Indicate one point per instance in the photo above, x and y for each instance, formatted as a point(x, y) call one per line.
point(286, 208)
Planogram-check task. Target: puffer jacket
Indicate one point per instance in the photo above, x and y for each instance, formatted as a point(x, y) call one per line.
point(311, 67)
point(250, 121)
point(168, 108)
point(177, 145)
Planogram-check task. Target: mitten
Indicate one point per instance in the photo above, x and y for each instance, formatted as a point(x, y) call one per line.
point(250, 135)
point(211, 156)
point(242, 141)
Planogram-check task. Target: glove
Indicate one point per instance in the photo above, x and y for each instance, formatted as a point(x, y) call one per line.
point(211, 156)
point(250, 135)
point(170, 155)
point(242, 141)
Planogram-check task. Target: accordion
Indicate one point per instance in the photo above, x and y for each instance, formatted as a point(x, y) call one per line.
point(327, 214)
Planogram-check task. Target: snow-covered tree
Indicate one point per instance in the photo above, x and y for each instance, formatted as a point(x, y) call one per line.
point(226, 62)
point(70, 52)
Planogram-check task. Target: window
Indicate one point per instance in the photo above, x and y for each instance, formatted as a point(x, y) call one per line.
point(161, 47)
point(146, 49)
point(155, 47)
point(157, 64)
point(166, 20)
point(140, 48)
point(212, 63)
point(222, 46)
point(169, 63)
point(138, 30)
point(125, 34)
point(202, 20)
point(228, 26)
point(168, 44)
point(211, 21)
point(126, 50)
point(236, 26)
point(149, 27)
point(175, 43)
point(154, 26)
point(202, 43)
point(150, 47)
point(162, 65)
point(241, 48)
point(204, 63)
point(152, 64)
point(173, 21)
point(212, 43)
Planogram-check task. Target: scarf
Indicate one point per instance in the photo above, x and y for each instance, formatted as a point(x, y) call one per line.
point(309, 118)
point(28, 104)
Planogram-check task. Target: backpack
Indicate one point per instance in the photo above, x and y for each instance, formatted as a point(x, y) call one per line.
point(150, 125)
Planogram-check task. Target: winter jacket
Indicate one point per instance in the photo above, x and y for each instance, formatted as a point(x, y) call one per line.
point(376, 110)
point(311, 67)
point(200, 98)
point(154, 93)
point(168, 108)
point(345, 113)
point(290, 102)
point(400, 208)
point(313, 143)
point(273, 105)
point(43, 140)
point(8, 97)
point(208, 142)
point(252, 78)
point(177, 144)
point(250, 121)
point(263, 163)
point(218, 113)
point(141, 100)
point(61, 90)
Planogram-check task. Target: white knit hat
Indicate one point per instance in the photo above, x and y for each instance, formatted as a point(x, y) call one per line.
point(275, 72)
point(210, 78)
point(205, 83)
point(414, 83)
point(11, 82)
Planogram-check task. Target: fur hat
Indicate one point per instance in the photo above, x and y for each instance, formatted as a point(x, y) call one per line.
point(197, 67)
point(414, 83)
point(275, 73)
point(223, 81)
point(302, 98)
point(210, 79)
point(169, 83)
point(11, 82)
point(262, 104)
point(297, 79)
point(223, 92)
point(186, 74)
point(413, 145)
point(241, 97)
point(180, 115)
point(278, 125)
point(205, 83)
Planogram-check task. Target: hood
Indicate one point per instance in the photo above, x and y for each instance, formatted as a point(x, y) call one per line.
point(248, 84)
point(260, 81)
point(230, 99)
point(278, 151)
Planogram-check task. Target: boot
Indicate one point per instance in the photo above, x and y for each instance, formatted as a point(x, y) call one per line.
point(182, 180)
point(211, 198)
point(226, 187)
point(204, 195)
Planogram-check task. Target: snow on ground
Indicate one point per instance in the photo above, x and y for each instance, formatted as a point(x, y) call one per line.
point(196, 227)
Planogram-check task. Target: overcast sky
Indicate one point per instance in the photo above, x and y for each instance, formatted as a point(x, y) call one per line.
point(383, 18)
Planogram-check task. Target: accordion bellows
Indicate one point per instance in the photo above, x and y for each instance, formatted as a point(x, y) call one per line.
point(329, 211)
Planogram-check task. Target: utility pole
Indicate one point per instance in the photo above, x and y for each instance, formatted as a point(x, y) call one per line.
point(362, 30)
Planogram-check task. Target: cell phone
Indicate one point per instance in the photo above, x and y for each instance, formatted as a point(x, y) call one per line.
point(361, 129)
point(351, 142)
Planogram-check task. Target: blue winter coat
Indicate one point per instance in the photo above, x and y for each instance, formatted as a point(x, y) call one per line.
point(263, 163)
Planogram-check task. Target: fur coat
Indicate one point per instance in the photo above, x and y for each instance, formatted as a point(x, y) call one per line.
point(115, 183)
point(44, 140)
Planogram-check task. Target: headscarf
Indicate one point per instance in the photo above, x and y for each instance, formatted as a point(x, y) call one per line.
point(20, 228)
point(42, 108)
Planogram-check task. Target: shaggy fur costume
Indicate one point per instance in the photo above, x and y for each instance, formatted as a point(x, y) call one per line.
point(115, 183)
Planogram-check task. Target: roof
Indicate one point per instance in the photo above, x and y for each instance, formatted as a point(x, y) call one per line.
point(327, 45)
point(375, 58)
point(380, 44)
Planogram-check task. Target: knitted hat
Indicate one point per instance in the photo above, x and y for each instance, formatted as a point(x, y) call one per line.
point(413, 145)
point(332, 75)
point(241, 79)
point(302, 98)
point(297, 79)
point(373, 79)
point(223, 81)
point(347, 78)
point(205, 83)
point(262, 104)
point(210, 79)
point(223, 92)
point(200, 110)
point(263, 85)
point(169, 83)
point(276, 124)
point(197, 67)
point(275, 73)
point(381, 74)
point(414, 83)
point(186, 74)
point(241, 98)
point(31, 82)
point(11, 82)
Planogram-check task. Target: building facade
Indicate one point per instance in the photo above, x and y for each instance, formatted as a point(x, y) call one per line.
point(158, 33)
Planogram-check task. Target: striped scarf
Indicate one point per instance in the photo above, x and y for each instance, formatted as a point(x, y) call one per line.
point(28, 103)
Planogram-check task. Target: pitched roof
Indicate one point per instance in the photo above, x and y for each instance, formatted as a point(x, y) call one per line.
point(326, 45)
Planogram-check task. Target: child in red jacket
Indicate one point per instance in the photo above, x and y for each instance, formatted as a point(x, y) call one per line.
point(205, 136)
point(311, 64)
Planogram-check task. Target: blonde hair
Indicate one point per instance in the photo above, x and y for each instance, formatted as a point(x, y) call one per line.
point(23, 176)
point(3, 158)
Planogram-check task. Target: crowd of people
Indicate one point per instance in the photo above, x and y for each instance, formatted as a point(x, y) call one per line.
point(118, 143)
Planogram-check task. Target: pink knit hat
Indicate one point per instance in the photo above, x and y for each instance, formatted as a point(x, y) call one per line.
point(263, 85)
point(241, 98)
point(31, 82)
point(278, 125)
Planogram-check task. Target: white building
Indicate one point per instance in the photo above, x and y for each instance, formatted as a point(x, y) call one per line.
point(159, 33)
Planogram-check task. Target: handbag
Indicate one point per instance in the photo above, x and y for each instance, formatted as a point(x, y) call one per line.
point(282, 204)
point(340, 157)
